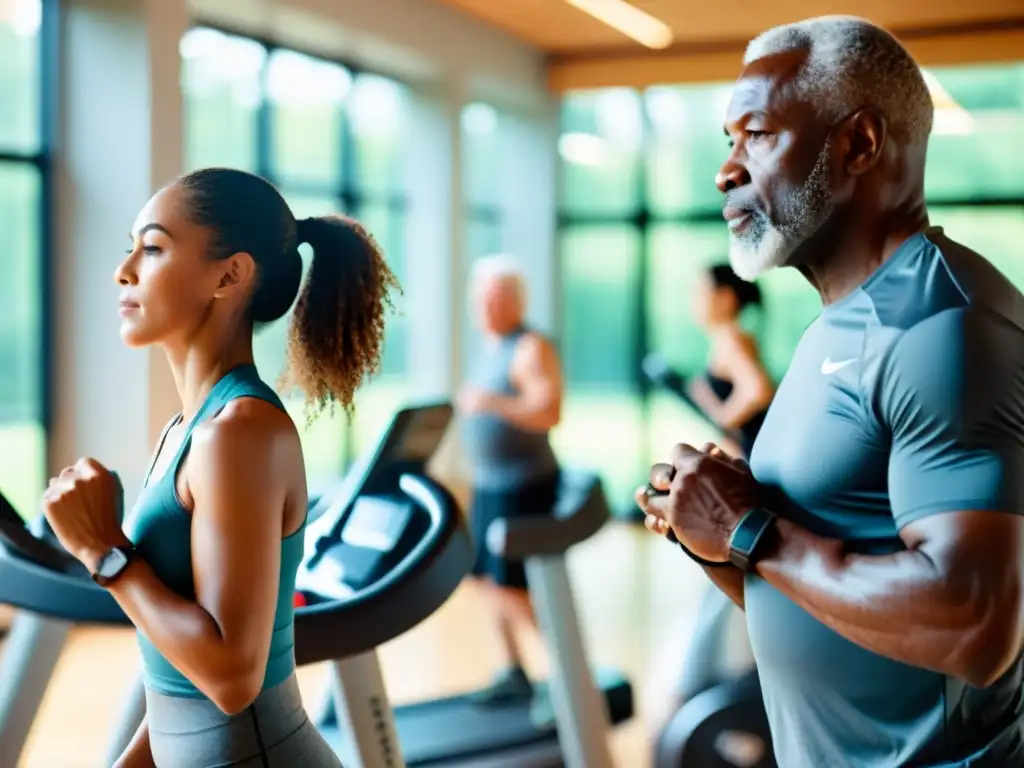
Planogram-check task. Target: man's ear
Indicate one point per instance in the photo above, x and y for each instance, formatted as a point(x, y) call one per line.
point(237, 273)
point(866, 132)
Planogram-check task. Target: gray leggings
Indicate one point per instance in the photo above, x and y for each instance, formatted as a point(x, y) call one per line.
point(274, 732)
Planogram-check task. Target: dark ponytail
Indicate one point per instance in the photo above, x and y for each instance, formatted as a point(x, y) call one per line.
point(337, 330)
point(746, 293)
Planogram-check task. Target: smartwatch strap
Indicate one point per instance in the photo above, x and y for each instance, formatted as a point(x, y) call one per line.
point(748, 535)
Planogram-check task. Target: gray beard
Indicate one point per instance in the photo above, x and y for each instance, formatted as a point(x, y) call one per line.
point(764, 245)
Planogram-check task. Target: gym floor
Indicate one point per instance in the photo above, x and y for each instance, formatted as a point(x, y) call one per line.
point(636, 595)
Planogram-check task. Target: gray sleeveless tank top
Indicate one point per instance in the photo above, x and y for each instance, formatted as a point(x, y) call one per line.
point(503, 456)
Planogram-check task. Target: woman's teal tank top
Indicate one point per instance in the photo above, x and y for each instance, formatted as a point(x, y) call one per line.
point(160, 528)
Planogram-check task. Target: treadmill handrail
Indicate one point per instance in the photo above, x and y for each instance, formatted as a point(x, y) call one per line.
point(20, 542)
point(29, 586)
point(579, 513)
point(659, 373)
point(416, 587)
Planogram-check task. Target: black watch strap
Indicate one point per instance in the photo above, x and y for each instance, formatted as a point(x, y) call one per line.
point(748, 535)
point(671, 536)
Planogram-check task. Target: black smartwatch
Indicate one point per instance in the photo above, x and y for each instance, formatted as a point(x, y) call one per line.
point(112, 565)
point(748, 536)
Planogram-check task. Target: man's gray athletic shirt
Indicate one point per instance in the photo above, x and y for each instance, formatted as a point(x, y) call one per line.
point(903, 400)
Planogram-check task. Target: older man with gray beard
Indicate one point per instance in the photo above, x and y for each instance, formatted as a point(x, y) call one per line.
point(875, 541)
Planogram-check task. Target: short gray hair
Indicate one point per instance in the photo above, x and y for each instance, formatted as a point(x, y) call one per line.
point(501, 268)
point(852, 64)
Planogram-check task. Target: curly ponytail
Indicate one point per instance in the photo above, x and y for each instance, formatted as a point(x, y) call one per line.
point(336, 334)
point(337, 329)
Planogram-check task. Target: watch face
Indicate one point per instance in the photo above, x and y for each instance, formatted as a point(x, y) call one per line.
point(112, 564)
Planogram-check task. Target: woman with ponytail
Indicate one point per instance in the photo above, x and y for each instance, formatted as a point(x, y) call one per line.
point(205, 565)
point(736, 390)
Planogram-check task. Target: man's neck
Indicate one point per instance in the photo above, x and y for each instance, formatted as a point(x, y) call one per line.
point(861, 248)
point(494, 335)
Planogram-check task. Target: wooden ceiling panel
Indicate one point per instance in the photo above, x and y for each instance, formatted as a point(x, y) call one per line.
point(559, 28)
point(747, 18)
point(552, 25)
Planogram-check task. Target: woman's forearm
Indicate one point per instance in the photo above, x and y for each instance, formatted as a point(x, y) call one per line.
point(186, 635)
point(704, 397)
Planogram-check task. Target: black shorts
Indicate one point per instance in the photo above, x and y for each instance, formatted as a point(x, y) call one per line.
point(536, 498)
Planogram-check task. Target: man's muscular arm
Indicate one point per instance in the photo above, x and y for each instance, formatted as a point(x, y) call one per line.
point(951, 602)
point(952, 400)
point(537, 377)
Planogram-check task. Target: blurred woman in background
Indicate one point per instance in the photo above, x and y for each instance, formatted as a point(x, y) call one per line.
point(735, 390)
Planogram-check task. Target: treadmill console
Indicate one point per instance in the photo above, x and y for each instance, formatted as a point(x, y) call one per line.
point(407, 445)
point(376, 522)
point(368, 525)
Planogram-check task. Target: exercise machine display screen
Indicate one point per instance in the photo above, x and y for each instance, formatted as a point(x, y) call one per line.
point(421, 434)
point(368, 525)
point(376, 522)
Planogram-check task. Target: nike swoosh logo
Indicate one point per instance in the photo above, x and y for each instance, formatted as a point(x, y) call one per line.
point(828, 366)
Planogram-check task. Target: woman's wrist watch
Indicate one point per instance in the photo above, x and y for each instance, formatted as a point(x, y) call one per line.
point(112, 564)
point(749, 537)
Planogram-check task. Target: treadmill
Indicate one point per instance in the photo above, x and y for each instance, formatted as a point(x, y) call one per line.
point(431, 554)
point(33, 565)
point(456, 733)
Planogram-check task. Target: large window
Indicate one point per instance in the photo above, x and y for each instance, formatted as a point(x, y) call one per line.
point(24, 47)
point(331, 137)
point(640, 215)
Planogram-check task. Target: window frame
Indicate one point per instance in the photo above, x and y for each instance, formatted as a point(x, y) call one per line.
point(42, 161)
point(38, 162)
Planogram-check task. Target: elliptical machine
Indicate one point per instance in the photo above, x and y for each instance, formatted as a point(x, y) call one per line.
point(722, 722)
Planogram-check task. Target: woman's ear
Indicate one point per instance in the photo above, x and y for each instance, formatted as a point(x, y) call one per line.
point(237, 273)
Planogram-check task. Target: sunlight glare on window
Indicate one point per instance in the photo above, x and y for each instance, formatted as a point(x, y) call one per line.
point(23, 17)
point(376, 106)
point(667, 110)
point(216, 64)
point(618, 117)
point(299, 80)
point(583, 149)
point(479, 119)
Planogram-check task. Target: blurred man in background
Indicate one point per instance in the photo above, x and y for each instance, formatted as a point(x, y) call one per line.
point(510, 401)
